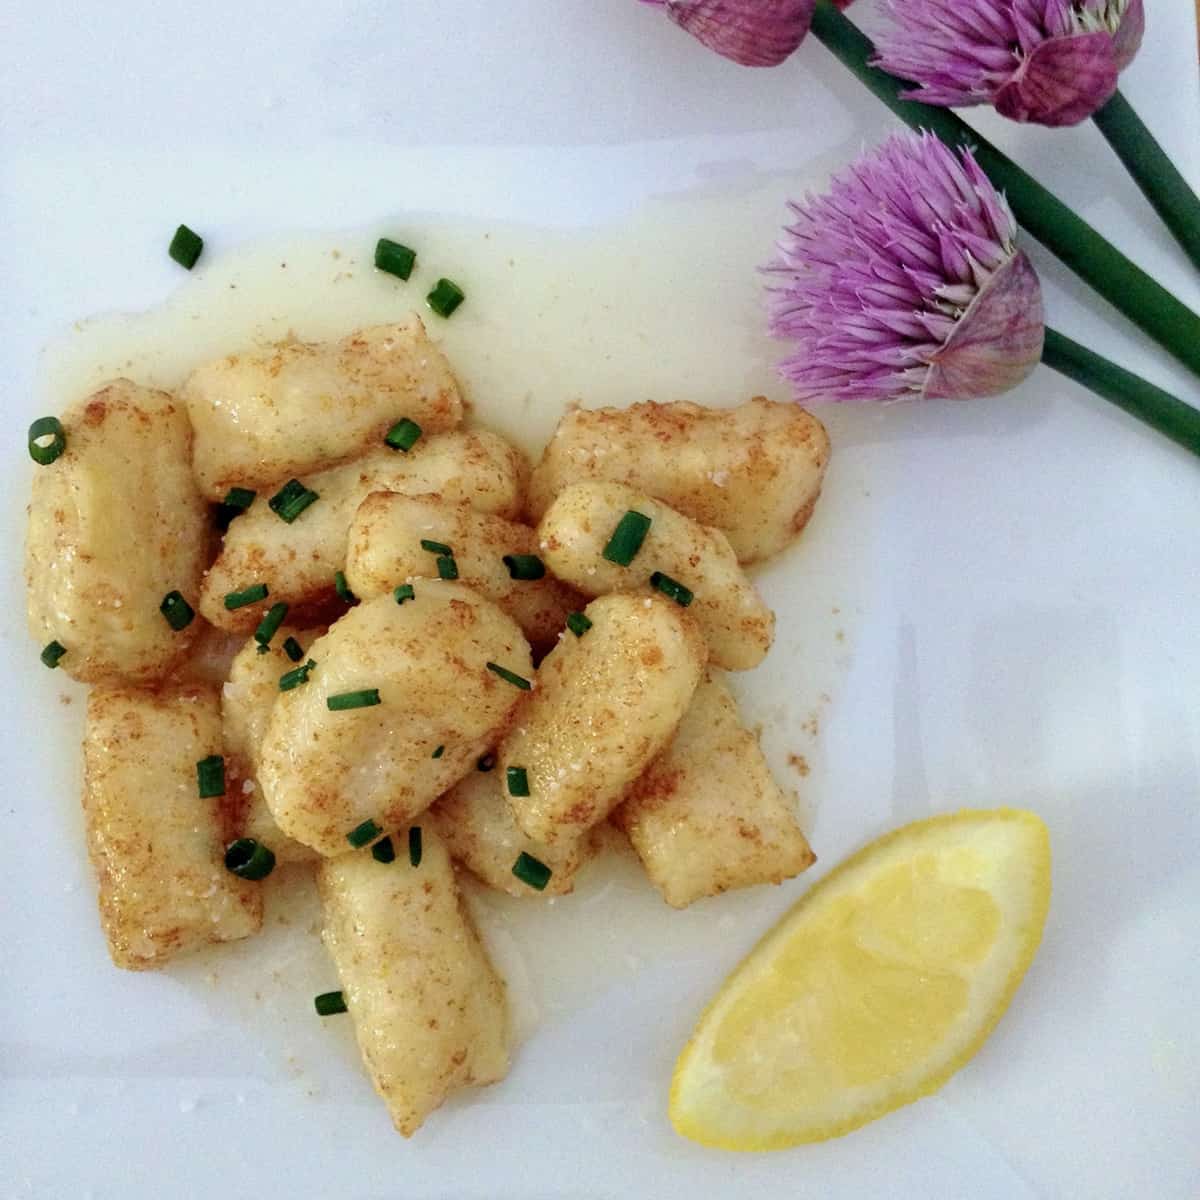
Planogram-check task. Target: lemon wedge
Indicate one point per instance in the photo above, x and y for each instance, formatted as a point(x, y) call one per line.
point(884, 979)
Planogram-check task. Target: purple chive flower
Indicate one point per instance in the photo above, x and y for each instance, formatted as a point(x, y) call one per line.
point(904, 280)
point(755, 33)
point(1053, 62)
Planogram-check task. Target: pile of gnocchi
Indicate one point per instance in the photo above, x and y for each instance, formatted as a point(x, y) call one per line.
point(328, 621)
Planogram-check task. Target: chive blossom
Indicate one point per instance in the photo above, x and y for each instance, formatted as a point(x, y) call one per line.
point(343, 588)
point(438, 752)
point(384, 851)
point(269, 625)
point(510, 676)
point(250, 595)
point(362, 834)
point(394, 258)
point(578, 624)
point(236, 501)
point(485, 762)
point(447, 568)
point(403, 435)
point(295, 677)
point(404, 592)
point(436, 547)
point(210, 777)
point(627, 538)
point(414, 845)
point(445, 297)
point(532, 871)
point(524, 566)
point(249, 859)
point(291, 500)
point(293, 649)
point(52, 654)
point(178, 612)
point(672, 589)
point(517, 779)
point(45, 452)
point(363, 698)
point(185, 247)
point(329, 1004)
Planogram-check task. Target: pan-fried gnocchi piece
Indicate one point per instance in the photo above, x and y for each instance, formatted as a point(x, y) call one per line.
point(298, 561)
point(385, 550)
point(707, 816)
point(432, 707)
point(247, 698)
point(297, 407)
point(477, 825)
point(156, 844)
point(115, 524)
point(753, 472)
point(576, 530)
point(428, 1009)
point(605, 704)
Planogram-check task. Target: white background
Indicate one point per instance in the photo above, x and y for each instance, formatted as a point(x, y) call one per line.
point(1032, 638)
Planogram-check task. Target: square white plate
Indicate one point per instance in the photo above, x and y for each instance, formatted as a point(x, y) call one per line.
point(1017, 583)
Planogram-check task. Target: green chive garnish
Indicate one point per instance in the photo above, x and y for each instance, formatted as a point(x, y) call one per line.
point(532, 871)
point(510, 676)
point(485, 763)
point(249, 859)
point(414, 845)
point(403, 435)
point(295, 677)
point(524, 566)
point(672, 589)
point(42, 452)
point(404, 592)
point(363, 698)
point(447, 567)
point(359, 836)
point(383, 851)
point(578, 624)
point(52, 653)
point(329, 1004)
point(517, 780)
point(445, 297)
point(210, 776)
point(293, 649)
point(236, 501)
point(438, 752)
point(177, 610)
point(436, 547)
point(250, 595)
point(185, 247)
point(343, 588)
point(269, 625)
point(291, 500)
point(627, 538)
point(394, 258)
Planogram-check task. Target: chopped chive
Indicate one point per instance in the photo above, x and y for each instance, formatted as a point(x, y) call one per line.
point(404, 592)
point(178, 612)
point(436, 547)
point(578, 624)
point(293, 649)
point(343, 588)
point(363, 698)
point(485, 762)
point(52, 653)
point(510, 676)
point(627, 538)
point(414, 845)
point(295, 677)
point(672, 589)
point(329, 1004)
point(236, 501)
point(42, 452)
point(438, 752)
point(524, 566)
point(250, 595)
point(269, 625)
point(185, 247)
point(518, 781)
point(249, 859)
point(210, 776)
point(360, 835)
point(383, 851)
point(403, 435)
point(447, 567)
point(445, 297)
point(262, 648)
point(532, 871)
point(291, 500)
point(394, 258)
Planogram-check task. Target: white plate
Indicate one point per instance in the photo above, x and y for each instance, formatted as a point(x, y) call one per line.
point(1017, 581)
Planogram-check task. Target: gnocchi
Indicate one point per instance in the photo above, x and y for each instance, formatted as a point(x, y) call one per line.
point(115, 525)
point(298, 407)
point(575, 533)
point(754, 472)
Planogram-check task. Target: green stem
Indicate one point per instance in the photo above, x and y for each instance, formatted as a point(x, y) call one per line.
point(1096, 261)
point(1158, 409)
point(1152, 171)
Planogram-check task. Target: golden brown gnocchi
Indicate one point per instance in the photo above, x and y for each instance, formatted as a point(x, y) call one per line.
point(754, 472)
point(298, 407)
